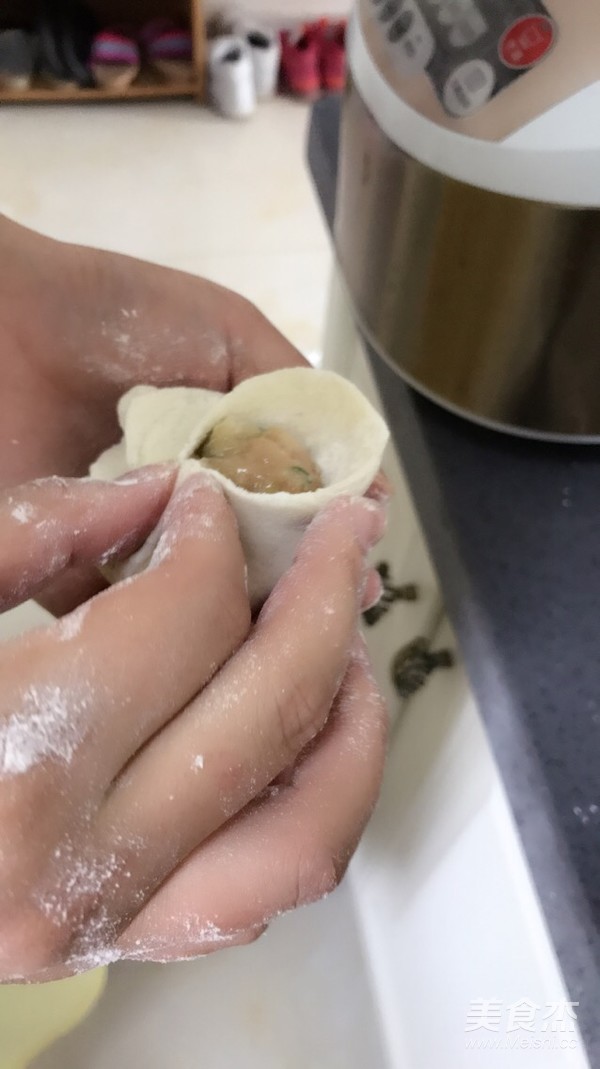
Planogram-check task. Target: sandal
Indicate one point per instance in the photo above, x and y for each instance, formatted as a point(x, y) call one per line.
point(169, 50)
point(114, 59)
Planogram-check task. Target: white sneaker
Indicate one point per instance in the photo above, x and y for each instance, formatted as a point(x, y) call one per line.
point(265, 51)
point(231, 77)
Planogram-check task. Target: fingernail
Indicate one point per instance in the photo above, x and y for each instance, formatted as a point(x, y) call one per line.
point(372, 591)
point(151, 473)
point(368, 519)
point(381, 489)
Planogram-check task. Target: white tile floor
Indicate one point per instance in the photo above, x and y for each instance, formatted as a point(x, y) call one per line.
point(176, 184)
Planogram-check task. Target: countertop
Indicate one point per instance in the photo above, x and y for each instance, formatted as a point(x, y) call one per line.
point(513, 528)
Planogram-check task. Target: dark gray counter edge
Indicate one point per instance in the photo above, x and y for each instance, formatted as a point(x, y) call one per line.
point(566, 908)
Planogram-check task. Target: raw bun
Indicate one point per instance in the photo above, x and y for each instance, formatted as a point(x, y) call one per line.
point(342, 431)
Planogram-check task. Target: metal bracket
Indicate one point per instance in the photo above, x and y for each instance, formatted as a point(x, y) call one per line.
point(391, 594)
point(414, 663)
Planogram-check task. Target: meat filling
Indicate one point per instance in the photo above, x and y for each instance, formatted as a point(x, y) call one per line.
point(261, 459)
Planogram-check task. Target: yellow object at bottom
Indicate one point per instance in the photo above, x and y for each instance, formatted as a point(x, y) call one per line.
point(34, 1016)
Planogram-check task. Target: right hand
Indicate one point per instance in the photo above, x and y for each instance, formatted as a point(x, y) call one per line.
point(147, 805)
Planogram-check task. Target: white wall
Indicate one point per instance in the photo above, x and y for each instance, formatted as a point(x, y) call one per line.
point(285, 10)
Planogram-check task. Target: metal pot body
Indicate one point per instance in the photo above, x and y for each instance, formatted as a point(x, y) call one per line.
point(488, 303)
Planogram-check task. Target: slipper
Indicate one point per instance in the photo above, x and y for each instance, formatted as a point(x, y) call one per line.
point(16, 59)
point(114, 59)
point(169, 50)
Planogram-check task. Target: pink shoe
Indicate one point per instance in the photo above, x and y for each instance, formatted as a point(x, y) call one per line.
point(114, 59)
point(333, 57)
point(169, 50)
point(300, 63)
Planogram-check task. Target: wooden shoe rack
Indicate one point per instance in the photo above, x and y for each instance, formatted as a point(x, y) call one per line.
point(147, 86)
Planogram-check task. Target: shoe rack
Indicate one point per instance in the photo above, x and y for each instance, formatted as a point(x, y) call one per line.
point(147, 86)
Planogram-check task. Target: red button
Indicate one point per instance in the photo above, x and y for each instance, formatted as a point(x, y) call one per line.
point(527, 41)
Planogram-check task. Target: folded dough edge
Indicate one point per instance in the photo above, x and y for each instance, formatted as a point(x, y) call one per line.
point(329, 415)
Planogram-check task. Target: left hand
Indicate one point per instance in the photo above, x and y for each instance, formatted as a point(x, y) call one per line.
point(79, 327)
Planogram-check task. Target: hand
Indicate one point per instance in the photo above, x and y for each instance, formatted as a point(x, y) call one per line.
point(172, 775)
point(79, 326)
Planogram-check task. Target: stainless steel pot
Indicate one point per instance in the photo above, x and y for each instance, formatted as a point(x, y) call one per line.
point(488, 303)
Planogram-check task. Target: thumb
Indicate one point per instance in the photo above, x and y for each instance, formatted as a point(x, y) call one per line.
point(52, 526)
